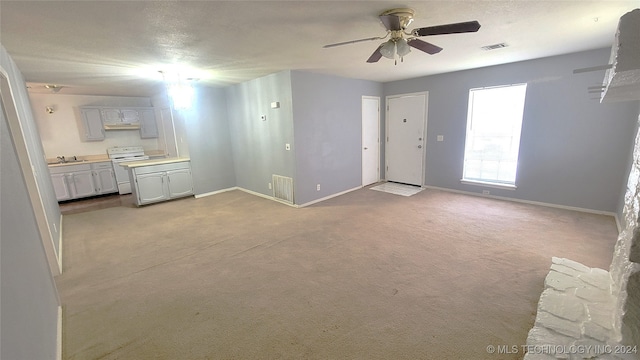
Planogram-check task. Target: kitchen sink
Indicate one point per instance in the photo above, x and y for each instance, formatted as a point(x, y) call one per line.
point(66, 162)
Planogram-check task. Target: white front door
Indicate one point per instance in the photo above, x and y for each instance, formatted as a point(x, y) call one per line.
point(406, 124)
point(370, 140)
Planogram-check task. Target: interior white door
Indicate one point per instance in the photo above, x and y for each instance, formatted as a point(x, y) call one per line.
point(370, 140)
point(406, 124)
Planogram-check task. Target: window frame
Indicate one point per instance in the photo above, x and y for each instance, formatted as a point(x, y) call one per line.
point(515, 139)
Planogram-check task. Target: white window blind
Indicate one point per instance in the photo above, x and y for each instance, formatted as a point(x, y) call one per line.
point(494, 123)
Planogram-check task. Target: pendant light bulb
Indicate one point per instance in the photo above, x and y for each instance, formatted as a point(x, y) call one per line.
point(402, 47)
point(388, 49)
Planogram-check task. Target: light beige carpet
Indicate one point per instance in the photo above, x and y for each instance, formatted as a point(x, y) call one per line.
point(367, 275)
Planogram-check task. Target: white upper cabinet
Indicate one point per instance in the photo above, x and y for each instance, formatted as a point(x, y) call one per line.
point(92, 122)
point(130, 116)
point(97, 119)
point(148, 125)
point(120, 118)
point(111, 116)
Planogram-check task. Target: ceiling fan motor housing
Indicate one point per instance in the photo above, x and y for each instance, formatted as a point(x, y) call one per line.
point(405, 15)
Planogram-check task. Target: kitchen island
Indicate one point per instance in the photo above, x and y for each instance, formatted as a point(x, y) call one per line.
point(159, 179)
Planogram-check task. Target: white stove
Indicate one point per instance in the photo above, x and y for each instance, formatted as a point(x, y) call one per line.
point(121, 154)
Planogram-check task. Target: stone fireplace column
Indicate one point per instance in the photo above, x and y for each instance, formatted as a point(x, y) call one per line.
point(625, 265)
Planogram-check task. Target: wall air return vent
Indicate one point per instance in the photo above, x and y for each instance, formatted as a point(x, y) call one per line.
point(283, 188)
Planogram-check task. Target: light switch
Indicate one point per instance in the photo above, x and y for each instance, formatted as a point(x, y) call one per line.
point(440, 137)
point(275, 105)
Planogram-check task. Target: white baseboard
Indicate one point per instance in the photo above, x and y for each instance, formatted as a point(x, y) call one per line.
point(59, 335)
point(330, 196)
point(618, 224)
point(564, 207)
point(216, 192)
point(276, 200)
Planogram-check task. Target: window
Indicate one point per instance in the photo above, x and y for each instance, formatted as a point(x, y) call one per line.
point(494, 122)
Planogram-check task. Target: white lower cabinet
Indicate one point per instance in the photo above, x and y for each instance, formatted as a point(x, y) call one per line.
point(60, 186)
point(77, 181)
point(163, 182)
point(151, 188)
point(81, 184)
point(104, 178)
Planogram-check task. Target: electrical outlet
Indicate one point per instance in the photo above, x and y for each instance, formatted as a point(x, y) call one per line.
point(318, 187)
point(486, 192)
point(269, 186)
point(440, 138)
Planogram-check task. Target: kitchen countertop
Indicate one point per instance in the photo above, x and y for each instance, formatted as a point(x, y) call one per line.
point(134, 164)
point(78, 162)
point(88, 159)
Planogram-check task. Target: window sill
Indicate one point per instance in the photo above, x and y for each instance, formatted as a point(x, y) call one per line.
point(489, 184)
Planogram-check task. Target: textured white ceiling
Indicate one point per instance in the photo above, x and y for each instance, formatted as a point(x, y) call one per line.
point(117, 47)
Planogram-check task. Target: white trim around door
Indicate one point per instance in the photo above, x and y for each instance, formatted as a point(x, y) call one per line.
point(370, 140)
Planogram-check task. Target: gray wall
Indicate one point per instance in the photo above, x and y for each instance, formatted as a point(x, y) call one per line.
point(327, 119)
point(209, 141)
point(259, 146)
point(28, 298)
point(573, 150)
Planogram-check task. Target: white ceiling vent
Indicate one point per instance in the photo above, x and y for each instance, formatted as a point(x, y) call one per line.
point(494, 46)
point(622, 81)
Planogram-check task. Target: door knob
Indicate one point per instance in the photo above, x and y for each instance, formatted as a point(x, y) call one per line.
point(419, 146)
point(366, 148)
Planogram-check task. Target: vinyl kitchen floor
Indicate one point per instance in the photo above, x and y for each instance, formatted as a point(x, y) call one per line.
point(96, 203)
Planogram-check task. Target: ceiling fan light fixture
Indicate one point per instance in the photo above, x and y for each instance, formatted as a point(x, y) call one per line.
point(402, 47)
point(388, 49)
point(53, 88)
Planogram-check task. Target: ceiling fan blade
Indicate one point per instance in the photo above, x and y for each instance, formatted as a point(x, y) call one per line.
point(424, 46)
point(456, 28)
point(391, 22)
point(375, 56)
point(352, 42)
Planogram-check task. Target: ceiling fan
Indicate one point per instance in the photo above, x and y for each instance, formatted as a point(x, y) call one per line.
point(396, 22)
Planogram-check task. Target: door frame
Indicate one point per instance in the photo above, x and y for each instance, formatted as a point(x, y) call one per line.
point(377, 98)
point(17, 134)
point(424, 137)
